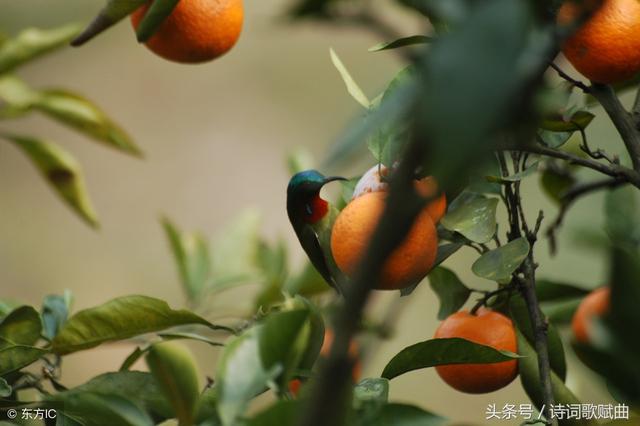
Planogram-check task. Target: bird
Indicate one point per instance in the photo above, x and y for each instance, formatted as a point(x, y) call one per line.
point(312, 219)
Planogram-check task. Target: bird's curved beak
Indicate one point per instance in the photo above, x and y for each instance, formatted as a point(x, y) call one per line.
point(333, 178)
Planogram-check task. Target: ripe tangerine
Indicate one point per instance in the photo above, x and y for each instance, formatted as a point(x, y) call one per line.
point(593, 305)
point(196, 31)
point(606, 49)
point(408, 263)
point(488, 328)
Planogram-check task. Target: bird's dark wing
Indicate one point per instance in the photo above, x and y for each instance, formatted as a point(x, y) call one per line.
point(317, 256)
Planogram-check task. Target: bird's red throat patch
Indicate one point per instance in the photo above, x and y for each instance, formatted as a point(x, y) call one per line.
point(315, 210)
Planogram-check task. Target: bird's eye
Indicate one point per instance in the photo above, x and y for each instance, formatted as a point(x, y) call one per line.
point(308, 209)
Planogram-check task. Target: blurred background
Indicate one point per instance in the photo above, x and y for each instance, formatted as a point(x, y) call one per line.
point(216, 138)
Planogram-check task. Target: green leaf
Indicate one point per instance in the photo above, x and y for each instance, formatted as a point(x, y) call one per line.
point(105, 410)
point(560, 123)
point(561, 312)
point(435, 352)
point(520, 316)
point(235, 258)
point(622, 215)
point(548, 290)
point(404, 415)
point(83, 115)
point(308, 282)
point(155, 16)
point(5, 389)
point(21, 327)
point(554, 139)
point(62, 172)
point(191, 253)
point(451, 292)
point(498, 264)
point(283, 339)
point(114, 11)
point(556, 182)
point(444, 252)
point(240, 375)
point(352, 87)
point(174, 368)
point(272, 261)
point(15, 357)
point(55, 310)
point(17, 97)
point(119, 319)
point(472, 215)
point(138, 387)
point(530, 378)
point(32, 43)
point(282, 413)
point(401, 42)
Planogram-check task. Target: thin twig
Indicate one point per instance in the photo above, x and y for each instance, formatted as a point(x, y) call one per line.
point(580, 85)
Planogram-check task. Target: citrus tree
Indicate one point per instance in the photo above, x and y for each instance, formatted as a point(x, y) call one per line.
point(476, 111)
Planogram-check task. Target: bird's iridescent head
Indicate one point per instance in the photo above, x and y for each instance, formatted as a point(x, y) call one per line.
point(303, 196)
point(308, 183)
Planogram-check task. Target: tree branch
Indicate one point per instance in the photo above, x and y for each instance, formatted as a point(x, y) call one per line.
point(621, 119)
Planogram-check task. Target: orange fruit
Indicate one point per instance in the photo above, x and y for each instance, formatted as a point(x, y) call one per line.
point(372, 181)
point(196, 31)
point(487, 328)
point(408, 263)
point(594, 304)
point(296, 384)
point(606, 49)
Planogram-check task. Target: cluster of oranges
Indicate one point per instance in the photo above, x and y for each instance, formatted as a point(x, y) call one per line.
point(412, 260)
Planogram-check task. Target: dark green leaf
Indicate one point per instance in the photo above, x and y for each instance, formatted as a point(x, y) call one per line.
point(472, 215)
point(401, 42)
point(105, 410)
point(15, 357)
point(554, 139)
point(118, 319)
point(451, 292)
point(516, 177)
point(33, 43)
point(622, 215)
point(5, 389)
point(22, 326)
point(561, 312)
point(175, 371)
point(498, 264)
point(191, 253)
point(282, 413)
point(308, 282)
point(435, 352)
point(555, 182)
point(352, 87)
point(55, 310)
point(520, 316)
point(62, 172)
point(404, 415)
point(179, 335)
point(138, 387)
point(155, 16)
point(559, 123)
point(114, 11)
point(548, 290)
point(530, 378)
point(283, 339)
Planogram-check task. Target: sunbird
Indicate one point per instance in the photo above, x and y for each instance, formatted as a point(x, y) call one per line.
point(312, 219)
